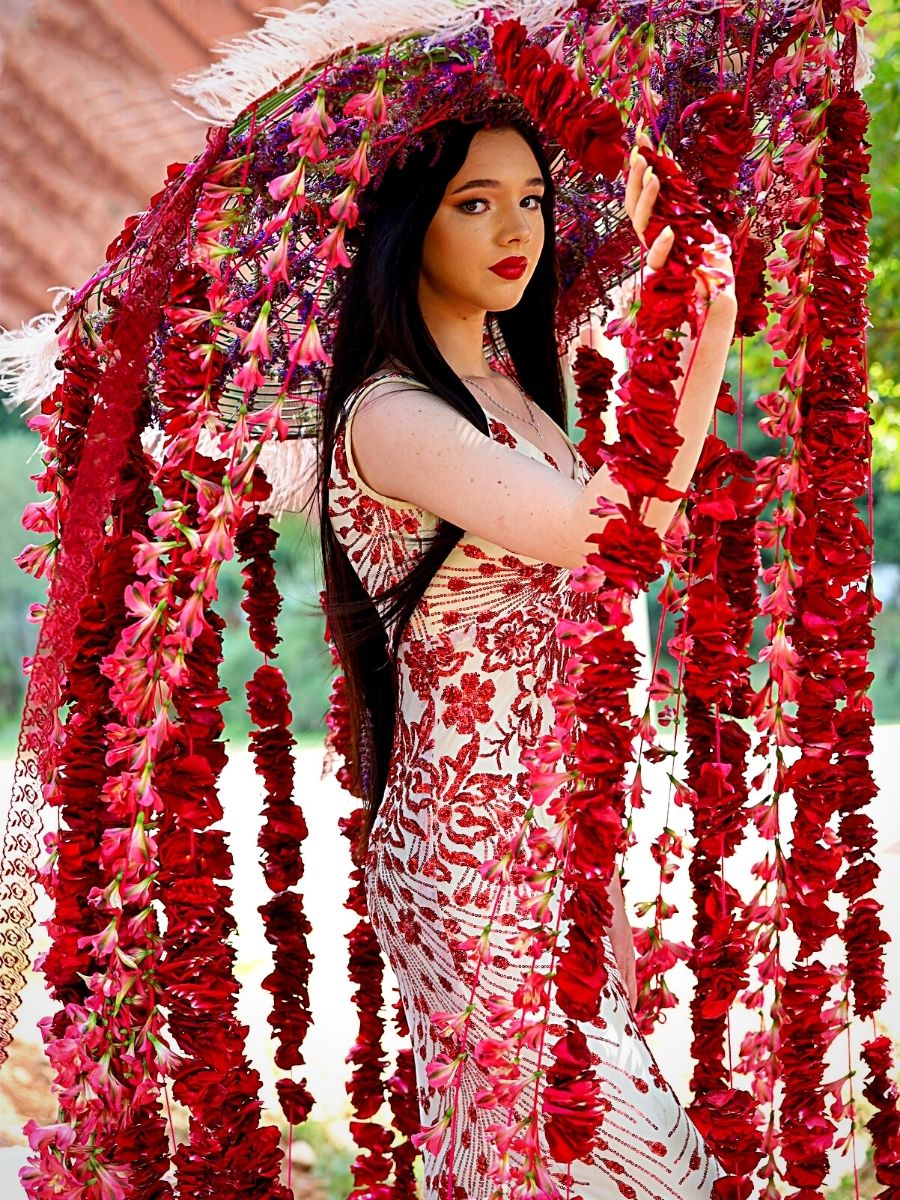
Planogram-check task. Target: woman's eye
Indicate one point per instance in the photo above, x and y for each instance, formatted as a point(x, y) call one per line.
point(482, 200)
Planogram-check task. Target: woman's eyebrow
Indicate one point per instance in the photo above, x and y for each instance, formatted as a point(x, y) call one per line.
point(487, 183)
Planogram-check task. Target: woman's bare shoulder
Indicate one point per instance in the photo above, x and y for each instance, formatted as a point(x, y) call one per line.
point(410, 444)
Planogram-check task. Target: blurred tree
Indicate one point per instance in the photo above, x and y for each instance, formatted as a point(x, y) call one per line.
point(883, 98)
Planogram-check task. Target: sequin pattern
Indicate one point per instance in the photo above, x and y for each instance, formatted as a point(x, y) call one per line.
point(474, 668)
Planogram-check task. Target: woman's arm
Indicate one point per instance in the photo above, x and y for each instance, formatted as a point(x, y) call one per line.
point(622, 939)
point(408, 445)
point(698, 401)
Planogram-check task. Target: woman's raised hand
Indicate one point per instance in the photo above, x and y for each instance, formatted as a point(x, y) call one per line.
point(641, 190)
point(714, 274)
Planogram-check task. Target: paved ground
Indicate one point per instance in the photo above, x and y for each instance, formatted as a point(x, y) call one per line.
point(327, 866)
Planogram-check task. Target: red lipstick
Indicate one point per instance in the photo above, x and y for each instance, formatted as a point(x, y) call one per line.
point(510, 268)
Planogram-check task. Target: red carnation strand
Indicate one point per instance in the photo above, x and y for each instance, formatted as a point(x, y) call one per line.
point(807, 1131)
point(712, 640)
point(593, 374)
point(213, 1078)
point(830, 629)
point(590, 129)
point(718, 568)
point(255, 543)
point(367, 1089)
point(627, 559)
point(281, 836)
point(105, 1101)
point(379, 1153)
point(403, 1097)
point(881, 1090)
point(572, 1097)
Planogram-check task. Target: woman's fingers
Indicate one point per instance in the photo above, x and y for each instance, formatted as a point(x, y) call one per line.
point(642, 188)
point(644, 207)
point(659, 251)
point(641, 191)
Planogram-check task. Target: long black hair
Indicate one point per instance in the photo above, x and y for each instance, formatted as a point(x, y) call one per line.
point(379, 321)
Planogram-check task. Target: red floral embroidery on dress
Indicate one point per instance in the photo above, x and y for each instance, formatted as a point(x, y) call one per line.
point(475, 666)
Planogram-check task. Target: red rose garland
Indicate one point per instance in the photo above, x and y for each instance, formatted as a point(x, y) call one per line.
point(108, 1101)
point(713, 641)
point(380, 1154)
point(284, 828)
point(830, 633)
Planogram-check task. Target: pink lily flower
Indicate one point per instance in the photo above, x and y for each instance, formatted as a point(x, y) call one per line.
point(291, 188)
point(345, 207)
point(165, 520)
point(311, 128)
point(36, 559)
point(274, 426)
point(249, 377)
point(544, 784)
point(309, 349)
point(506, 1137)
point(480, 944)
point(112, 1180)
point(141, 601)
point(496, 1055)
point(357, 165)
point(41, 515)
point(442, 1070)
point(60, 1136)
point(331, 249)
point(192, 618)
point(432, 1136)
point(104, 942)
point(556, 47)
point(447, 1024)
point(238, 433)
point(148, 555)
point(369, 105)
point(257, 341)
point(275, 264)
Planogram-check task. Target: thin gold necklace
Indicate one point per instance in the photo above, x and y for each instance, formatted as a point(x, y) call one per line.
point(493, 400)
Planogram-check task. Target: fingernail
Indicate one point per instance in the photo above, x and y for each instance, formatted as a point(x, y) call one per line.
point(667, 231)
point(648, 175)
point(635, 155)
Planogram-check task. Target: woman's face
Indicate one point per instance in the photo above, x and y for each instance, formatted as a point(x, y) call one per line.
point(490, 211)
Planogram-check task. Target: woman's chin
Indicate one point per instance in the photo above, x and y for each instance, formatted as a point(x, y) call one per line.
point(506, 296)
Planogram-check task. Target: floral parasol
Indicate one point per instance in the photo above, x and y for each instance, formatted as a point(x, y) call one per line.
point(210, 324)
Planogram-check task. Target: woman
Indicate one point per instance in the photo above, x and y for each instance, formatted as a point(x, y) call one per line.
point(453, 507)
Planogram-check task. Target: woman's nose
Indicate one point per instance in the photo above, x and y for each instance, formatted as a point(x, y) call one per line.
point(516, 228)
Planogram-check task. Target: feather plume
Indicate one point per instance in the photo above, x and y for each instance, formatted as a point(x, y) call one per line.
point(28, 370)
point(291, 41)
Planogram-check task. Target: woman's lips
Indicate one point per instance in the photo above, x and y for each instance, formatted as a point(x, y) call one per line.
point(510, 268)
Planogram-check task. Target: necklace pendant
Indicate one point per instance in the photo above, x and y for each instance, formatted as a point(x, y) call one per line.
point(503, 408)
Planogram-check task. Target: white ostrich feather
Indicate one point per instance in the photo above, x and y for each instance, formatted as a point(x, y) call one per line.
point(289, 466)
point(290, 41)
point(28, 374)
point(28, 370)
